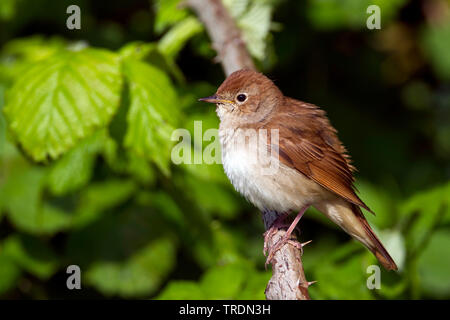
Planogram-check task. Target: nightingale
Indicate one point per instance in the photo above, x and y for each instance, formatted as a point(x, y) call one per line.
point(312, 167)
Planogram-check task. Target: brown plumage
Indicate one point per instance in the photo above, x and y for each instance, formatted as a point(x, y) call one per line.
point(315, 168)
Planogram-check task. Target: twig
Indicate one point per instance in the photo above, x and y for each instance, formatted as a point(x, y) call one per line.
point(226, 37)
point(288, 280)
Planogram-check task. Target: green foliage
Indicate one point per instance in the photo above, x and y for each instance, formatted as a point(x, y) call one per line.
point(169, 13)
point(86, 175)
point(254, 19)
point(8, 9)
point(32, 255)
point(434, 264)
point(140, 274)
point(176, 37)
point(334, 14)
point(63, 99)
point(231, 281)
point(437, 46)
point(74, 170)
point(152, 112)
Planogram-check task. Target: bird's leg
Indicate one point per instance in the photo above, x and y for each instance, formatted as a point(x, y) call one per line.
point(286, 238)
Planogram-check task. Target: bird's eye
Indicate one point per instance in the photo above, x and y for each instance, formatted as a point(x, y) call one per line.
point(241, 97)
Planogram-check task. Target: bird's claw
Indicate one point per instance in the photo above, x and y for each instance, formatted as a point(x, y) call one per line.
point(284, 240)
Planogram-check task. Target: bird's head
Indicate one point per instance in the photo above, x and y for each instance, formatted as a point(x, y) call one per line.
point(245, 96)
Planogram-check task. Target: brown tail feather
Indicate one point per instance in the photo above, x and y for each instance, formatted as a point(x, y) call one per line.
point(376, 247)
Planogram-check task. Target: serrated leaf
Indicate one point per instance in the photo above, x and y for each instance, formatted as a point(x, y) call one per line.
point(236, 7)
point(153, 113)
point(63, 99)
point(255, 26)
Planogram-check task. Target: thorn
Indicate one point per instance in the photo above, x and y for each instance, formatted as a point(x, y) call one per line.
point(311, 282)
point(305, 243)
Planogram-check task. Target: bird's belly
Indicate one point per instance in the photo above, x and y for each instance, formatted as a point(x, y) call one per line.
point(278, 188)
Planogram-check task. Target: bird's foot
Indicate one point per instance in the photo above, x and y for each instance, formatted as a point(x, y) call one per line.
point(278, 224)
point(280, 243)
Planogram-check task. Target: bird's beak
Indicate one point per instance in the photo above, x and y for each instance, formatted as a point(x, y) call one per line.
point(214, 99)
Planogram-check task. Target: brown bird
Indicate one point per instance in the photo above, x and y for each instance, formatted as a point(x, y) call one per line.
point(308, 165)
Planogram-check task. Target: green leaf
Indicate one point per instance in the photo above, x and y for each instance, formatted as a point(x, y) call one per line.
point(182, 290)
point(236, 7)
point(2, 124)
point(63, 99)
point(151, 53)
point(22, 199)
point(141, 274)
point(335, 14)
point(255, 26)
point(212, 197)
point(74, 169)
point(224, 282)
point(126, 252)
point(168, 13)
point(165, 205)
point(153, 113)
point(255, 286)
point(395, 244)
point(435, 40)
point(344, 280)
point(128, 163)
point(99, 197)
point(380, 202)
point(434, 265)
point(173, 41)
point(9, 272)
point(32, 255)
point(424, 210)
point(32, 49)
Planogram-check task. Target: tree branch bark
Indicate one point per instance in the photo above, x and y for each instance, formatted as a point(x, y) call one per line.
point(288, 280)
point(226, 37)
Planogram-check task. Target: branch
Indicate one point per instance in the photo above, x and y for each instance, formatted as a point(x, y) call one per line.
point(288, 280)
point(225, 36)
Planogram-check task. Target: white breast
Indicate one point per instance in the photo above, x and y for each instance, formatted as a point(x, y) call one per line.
point(275, 187)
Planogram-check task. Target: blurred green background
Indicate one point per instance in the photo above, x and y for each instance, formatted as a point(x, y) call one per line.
point(87, 115)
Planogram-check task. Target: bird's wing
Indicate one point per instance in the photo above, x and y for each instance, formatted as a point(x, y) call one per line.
point(308, 143)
